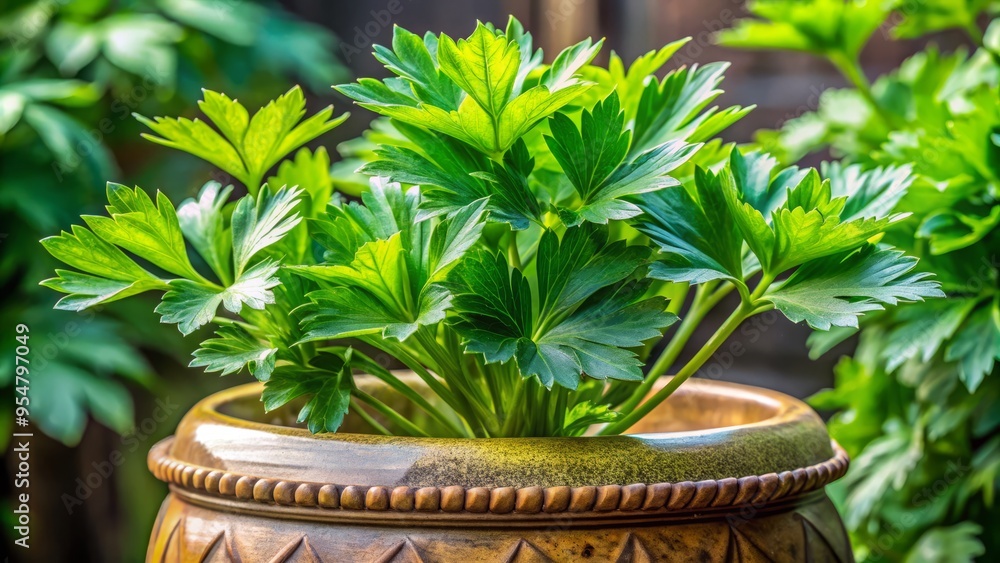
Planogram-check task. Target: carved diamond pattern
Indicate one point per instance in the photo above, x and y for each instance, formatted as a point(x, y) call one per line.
point(632, 551)
point(402, 552)
point(524, 552)
point(742, 549)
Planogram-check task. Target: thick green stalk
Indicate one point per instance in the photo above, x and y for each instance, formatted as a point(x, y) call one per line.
point(449, 367)
point(705, 299)
point(685, 372)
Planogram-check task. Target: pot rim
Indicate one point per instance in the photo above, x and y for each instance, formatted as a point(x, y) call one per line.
point(780, 456)
point(785, 409)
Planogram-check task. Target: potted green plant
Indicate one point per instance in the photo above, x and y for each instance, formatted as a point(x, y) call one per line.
point(530, 233)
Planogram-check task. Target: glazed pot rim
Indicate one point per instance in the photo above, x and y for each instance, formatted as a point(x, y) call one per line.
point(783, 434)
point(218, 458)
point(785, 408)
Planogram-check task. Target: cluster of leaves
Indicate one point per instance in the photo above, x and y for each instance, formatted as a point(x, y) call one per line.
point(528, 234)
point(918, 400)
point(70, 74)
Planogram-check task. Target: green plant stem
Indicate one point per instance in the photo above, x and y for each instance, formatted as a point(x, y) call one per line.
point(453, 373)
point(357, 408)
point(385, 410)
point(405, 390)
point(513, 254)
point(677, 302)
point(704, 301)
point(417, 367)
point(689, 369)
point(975, 34)
point(511, 420)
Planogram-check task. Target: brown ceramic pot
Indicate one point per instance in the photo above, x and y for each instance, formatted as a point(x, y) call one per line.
point(719, 472)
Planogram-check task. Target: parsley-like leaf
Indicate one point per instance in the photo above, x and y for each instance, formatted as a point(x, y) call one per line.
point(248, 146)
point(836, 290)
point(329, 392)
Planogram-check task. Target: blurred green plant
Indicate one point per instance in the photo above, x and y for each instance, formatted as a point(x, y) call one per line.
point(71, 74)
point(919, 402)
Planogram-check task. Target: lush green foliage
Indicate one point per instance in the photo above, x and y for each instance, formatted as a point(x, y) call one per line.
point(70, 74)
point(530, 232)
point(918, 402)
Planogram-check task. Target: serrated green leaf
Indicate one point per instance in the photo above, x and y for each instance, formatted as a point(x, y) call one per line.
point(191, 304)
point(147, 230)
point(249, 146)
point(976, 347)
point(451, 176)
point(697, 236)
point(672, 109)
point(384, 270)
point(484, 66)
point(310, 172)
point(590, 154)
point(203, 224)
point(921, 330)
point(836, 290)
point(329, 393)
point(85, 251)
point(260, 222)
point(586, 414)
point(231, 350)
point(86, 290)
point(582, 293)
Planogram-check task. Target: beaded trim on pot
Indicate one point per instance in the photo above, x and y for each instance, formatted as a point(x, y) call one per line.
point(685, 495)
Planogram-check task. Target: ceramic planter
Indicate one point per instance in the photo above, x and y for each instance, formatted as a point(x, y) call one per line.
point(719, 472)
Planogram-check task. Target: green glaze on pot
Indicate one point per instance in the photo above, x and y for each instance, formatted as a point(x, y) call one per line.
point(708, 430)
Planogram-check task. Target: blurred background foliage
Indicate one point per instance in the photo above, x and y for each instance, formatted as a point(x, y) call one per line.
point(916, 404)
point(72, 72)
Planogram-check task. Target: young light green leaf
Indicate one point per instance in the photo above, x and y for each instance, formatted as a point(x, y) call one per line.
point(411, 58)
point(251, 145)
point(484, 66)
point(310, 172)
point(259, 223)
point(85, 251)
point(816, 26)
point(86, 290)
point(147, 230)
